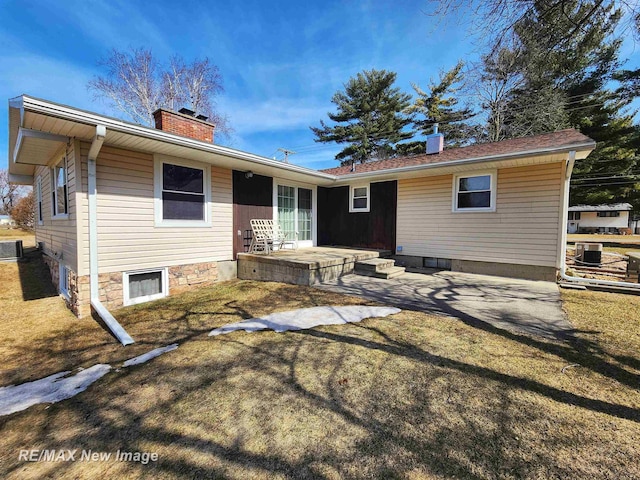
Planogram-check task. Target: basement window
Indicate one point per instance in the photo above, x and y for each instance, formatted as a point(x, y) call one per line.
point(144, 285)
point(474, 193)
point(182, 193)
point(59, 191)
point(63, 280)
point(359, 198)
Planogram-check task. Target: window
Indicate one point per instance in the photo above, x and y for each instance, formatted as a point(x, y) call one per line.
point(183, 192)
point(39, 200)
point(59, 201)
point(294, 211)
point(474, 193)
point(574, 215)
point(359, 198)
point(145, 285)
point(608, 214)
point(63, 280)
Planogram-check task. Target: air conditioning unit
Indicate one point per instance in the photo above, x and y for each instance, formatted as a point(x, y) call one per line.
point(589, 253)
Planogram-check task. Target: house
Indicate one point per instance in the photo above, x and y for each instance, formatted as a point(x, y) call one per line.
point(127, 213)
point(5, 220)
point(599, 218)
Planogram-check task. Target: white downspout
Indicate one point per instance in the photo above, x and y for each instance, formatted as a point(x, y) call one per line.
point(563, 236)
point(119, 332)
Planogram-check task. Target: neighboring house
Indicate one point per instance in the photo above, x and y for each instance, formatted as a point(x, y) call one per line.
point(599, 218)
point(5, 220)
point(127, 213)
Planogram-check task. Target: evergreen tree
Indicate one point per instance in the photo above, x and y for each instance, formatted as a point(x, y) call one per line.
point(368, 118)
point(565, 83)
point(440, 105)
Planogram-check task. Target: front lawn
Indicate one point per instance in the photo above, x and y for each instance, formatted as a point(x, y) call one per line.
point(408, 396)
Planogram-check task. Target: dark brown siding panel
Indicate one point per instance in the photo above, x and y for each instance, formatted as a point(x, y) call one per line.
point(375, 229)
point(252, 198)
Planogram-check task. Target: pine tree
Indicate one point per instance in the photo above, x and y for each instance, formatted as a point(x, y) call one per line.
point(440, 105)
point(368, 118)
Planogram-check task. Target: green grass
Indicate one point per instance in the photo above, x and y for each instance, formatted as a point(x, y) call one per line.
point(408, 396)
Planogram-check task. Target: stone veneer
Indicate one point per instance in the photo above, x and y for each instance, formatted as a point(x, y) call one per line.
point(181, 278)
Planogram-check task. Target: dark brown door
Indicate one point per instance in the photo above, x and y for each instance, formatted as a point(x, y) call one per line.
point(252, 198)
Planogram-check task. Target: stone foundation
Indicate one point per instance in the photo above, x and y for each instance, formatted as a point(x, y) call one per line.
point(181, 278)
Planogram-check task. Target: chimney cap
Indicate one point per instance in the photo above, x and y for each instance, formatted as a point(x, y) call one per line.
point(186, 111)
point(204, 118)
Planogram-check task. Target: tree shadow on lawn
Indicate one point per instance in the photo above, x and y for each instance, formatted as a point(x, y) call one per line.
point(348, 401)
point(572, 345)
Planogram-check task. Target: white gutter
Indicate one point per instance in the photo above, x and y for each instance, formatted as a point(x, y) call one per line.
point(89, 118)
point(563, 236)
point(119, 332)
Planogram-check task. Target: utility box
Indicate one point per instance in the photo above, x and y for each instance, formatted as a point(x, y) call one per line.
point(11, 250)
point(589, 253)
point(633, 268)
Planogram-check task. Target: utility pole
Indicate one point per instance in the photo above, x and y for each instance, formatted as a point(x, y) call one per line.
point(286, 154)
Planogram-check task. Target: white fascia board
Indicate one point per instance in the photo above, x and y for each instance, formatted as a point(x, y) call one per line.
point(89, 118)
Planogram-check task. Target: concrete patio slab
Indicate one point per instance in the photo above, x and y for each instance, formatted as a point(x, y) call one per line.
point(520, 306)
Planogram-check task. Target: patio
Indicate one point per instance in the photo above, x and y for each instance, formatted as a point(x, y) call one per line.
point(307, 266)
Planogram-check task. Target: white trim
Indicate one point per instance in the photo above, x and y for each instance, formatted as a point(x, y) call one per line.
point(65, 112)
point(147, 298)
point(314, 207)
point(63, 273)
point(493, 175)
point(39, 212)
point(159, 160)
point(352, 188)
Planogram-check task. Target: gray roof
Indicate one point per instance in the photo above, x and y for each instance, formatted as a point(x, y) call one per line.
point(601, 208)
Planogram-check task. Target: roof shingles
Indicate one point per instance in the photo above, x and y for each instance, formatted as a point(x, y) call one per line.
point(553, 140)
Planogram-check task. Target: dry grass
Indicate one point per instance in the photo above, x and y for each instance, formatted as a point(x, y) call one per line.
point(408, 396)
point(28, 238)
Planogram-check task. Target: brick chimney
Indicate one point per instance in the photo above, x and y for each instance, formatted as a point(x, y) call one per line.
point(184, 123)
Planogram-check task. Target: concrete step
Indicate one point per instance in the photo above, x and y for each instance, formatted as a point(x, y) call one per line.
point(374, 264)
point(385, 273)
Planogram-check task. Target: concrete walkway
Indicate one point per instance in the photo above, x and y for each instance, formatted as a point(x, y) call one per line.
point(520, 306)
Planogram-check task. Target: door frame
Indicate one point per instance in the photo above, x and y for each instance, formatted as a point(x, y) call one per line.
point(314, 207)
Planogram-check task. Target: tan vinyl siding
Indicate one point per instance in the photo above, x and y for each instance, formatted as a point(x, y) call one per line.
point(59, 234)
point(522, 230)
point(127, 236)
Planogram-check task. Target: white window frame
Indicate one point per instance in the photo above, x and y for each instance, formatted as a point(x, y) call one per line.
point(159, 160)
point(352, 189)
point(39, 213)
point(146, 298)
point(63, 280)
point(314, 207)
point(54, 190)
point(493, 174)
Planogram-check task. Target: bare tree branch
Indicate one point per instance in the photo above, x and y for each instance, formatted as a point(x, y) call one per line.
point(137, 85)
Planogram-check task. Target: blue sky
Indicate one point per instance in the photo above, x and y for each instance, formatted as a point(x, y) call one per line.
point(281, 61)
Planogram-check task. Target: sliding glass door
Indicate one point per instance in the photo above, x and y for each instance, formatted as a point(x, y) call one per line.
point(295, 212)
